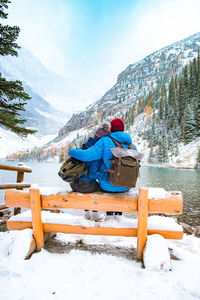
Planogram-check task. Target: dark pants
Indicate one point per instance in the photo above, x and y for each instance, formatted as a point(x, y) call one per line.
point(111, 213)
point(83, 186)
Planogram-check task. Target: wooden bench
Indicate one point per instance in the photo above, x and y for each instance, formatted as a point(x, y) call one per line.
point(19, 185)
point(171, 204)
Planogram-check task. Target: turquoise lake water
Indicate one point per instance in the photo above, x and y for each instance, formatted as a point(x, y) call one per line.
point(187, 181)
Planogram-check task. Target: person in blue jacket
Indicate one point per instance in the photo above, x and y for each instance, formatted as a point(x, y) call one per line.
point(88, 183)
point(101, 151)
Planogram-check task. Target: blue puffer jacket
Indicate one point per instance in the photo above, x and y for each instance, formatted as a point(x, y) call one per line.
point(101, 151)
point(93, 166)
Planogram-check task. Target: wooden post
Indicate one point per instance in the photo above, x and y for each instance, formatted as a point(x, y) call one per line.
point(36, 218)
point(142, 221)
point(20, 178)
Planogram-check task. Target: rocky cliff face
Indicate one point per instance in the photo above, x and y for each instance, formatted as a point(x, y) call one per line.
point(135, 82)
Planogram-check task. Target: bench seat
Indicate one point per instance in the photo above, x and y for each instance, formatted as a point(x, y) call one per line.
point(78, 224)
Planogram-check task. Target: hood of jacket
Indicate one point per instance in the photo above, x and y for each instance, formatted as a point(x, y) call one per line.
point(121, 137)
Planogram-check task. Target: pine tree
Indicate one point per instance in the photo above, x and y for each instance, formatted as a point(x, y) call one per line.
point(153, 135)
point(198, 159)
point(161, 108)
point(12, 95)
point(192, 81)
point(186, 84)
point(165, 145)
point(172, 94)
point(152, 156)
point(177, 150)
point(162, 149)
point(188, 126)
point(181, 98)
point(170, 140)
point(163, 91)
point(197, 111)
point(166, 108)
point(195, 78)
point(176, 131)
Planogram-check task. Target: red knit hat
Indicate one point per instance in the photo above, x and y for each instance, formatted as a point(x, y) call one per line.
point(117, 125)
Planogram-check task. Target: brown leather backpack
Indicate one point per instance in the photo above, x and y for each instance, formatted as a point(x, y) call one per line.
point(125, 165)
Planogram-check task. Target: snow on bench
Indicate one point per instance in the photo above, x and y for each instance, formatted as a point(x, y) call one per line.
point(154, 222)
point(143, 202)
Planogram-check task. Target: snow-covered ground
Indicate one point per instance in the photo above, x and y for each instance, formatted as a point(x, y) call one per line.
point(83, 275)
point(89, 274)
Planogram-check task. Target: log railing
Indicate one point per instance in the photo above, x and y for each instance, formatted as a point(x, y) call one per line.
point(19, 185)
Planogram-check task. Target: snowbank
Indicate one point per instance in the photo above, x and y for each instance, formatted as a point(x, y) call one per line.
point(156, 253)
point(15, 244)
point(88, 276)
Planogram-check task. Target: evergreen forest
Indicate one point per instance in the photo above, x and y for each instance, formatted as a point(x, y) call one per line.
point(173, 112)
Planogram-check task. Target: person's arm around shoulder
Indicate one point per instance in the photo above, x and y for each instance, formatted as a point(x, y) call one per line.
point(93, 153)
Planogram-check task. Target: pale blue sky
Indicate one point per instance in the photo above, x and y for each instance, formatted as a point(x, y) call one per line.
point(92, 41)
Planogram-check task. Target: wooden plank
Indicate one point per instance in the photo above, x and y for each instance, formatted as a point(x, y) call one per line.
point(77, 229)
point(173, 204)
point(20, 178)
point(17, 199)
point(178, 235)
point(36, 218)
point(5, 186)
point(18, 225)
point(15, 168)
point(142, 221)
point(96, 201)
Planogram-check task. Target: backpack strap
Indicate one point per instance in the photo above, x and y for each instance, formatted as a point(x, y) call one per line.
point(117, 144)
point(131, 146)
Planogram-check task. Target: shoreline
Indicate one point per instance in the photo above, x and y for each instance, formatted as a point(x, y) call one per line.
point(146, 165)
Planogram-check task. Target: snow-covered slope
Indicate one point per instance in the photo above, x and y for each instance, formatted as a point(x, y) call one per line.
point(61, 92)
point(186, 159)
point(135, 82)
point(31, 71)
point(11, 143)
point(132, 84)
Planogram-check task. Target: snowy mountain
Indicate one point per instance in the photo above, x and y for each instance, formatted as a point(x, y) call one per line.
point(42, 116)
point(132, 86)
point(27, 68)
point(135, 82)
point(61, 92)
point(37, 81)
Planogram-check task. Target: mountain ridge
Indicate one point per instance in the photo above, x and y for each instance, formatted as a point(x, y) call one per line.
point(39, 113)
point(134, 82)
